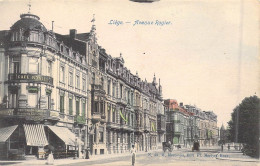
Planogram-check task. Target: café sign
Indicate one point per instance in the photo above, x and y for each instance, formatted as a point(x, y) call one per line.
point(30, 78)
point(33, 113)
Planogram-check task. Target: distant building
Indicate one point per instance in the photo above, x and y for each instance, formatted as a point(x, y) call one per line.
point(186, 124)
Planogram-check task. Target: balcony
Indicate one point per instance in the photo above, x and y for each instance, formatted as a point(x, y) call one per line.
point(79, 119)
point(126, 127)
point(113, 125)
point(96, 116)
point(177, 133)
point(121, 101)
point(98, 88)
point(137, 108)
point(139, 129)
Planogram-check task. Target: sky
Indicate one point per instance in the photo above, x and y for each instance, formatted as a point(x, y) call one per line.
point(207, 55)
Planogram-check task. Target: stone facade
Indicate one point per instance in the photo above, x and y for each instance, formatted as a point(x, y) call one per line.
point(71, 82)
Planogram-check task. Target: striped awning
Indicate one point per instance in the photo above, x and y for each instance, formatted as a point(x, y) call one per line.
point(6, 132)
point(35, 135)
point(65, 135)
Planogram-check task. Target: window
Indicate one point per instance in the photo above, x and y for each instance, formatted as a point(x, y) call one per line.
point(32, 100)
point(62, 74)
point(83, 109)
point(101, 136)
point(61, 103)
point(49, 101)
point(77, 81)
point(77, 106)
point(114, 89)
point(132, 98)
point(128, 97)
point(33, 65)
point(70, 106)
point(70, 78)
point(16, 67)
point(49, 68)
point(121, 91)
point(13, 98)
point(83, 84)
point(102, 83)
point(93, 78)
point(114, 115)
point(108, 87)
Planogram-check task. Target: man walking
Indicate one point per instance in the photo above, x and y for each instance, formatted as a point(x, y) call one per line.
point(133, 151)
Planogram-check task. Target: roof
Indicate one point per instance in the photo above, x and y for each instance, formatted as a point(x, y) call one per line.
point(83, 36)
point(76, 45)
point(6, 132)
point(29, 21)
point(152, 87)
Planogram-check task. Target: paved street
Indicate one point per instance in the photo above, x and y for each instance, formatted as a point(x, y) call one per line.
point(206, 156)
point(177, 157)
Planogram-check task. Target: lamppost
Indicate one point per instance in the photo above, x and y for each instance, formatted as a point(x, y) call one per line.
point(76, 148)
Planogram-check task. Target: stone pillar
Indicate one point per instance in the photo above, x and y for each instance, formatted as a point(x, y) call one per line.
point(22, 100)
point(43, 98)
point(97, 133)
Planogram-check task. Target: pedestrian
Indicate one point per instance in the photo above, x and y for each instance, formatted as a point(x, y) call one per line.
point(228, 147)
point(50, 160)
point(133, 151)
point(87, 153)
point(222, 147)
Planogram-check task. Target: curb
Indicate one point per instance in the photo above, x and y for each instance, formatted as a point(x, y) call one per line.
point(233, 159)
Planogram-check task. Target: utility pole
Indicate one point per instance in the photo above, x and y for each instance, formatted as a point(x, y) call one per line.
point(236, 129)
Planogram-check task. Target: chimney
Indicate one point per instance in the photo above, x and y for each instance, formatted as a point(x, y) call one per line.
point(73, 33)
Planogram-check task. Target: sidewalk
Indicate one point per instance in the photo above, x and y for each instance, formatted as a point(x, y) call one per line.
point(235, 155)
point(68, 160)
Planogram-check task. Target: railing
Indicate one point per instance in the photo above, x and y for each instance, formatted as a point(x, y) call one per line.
point(96, 115)
point(113, 125)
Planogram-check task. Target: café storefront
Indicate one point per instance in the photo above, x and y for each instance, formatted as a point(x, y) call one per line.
point(30, 135)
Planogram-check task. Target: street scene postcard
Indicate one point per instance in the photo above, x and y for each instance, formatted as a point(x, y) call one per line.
point(129, 82)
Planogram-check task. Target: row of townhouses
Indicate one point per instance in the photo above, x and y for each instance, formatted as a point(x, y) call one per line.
point(65, 93)
point(186, 124)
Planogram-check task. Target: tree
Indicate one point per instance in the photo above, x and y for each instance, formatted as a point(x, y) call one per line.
point(244, 123)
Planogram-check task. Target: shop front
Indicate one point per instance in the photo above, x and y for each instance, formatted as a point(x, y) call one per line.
point(62, 142)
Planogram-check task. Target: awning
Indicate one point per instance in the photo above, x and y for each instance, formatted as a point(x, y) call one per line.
point(65, 135)
point(35, 135)
point(6, 132)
